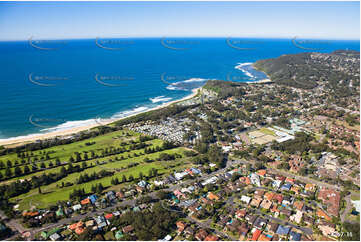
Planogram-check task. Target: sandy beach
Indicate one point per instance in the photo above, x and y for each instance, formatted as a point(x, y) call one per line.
point(260, 81)
point(16, 141)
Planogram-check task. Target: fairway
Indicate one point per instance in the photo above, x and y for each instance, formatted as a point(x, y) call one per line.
point(64, 152)
point(130, 162)
point(51, 193)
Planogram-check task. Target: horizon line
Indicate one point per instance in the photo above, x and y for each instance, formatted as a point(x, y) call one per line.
point(164, 37)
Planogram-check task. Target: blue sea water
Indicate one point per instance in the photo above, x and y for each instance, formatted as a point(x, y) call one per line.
point(54, 85)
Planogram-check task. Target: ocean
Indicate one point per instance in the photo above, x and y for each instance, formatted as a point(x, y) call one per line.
point(49, 85)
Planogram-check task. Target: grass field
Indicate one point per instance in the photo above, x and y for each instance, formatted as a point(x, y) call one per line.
point(355, 197)
point(63, 152)
point(267, 131)
point(52, 193)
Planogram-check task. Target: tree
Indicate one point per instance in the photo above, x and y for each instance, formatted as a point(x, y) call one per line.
point(78, 157)
point(39, 190)
point(17, 171)
point(42, 165)
point(93, 188)
point(8, 172)
point(57, 162)
point(141, 175)
point(62, 171)
point(131, 178)
point(124, 179)
point(99, 188)
point(26, 169)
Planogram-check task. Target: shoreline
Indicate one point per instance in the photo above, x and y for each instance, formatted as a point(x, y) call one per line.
point(260, 81)
point(20, 140)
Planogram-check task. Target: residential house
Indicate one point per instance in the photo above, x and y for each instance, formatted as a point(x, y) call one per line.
point(76, 207)
point(286, 187)
point(255, 234)
point(188, 231)
point(282, 230)
point(286, 212)
point(181, 226)
point(308, 220)
point(332, 199)
point(260, 223)
point(85, 201)
point(327, 228)
point(310, 187)
point(245, 199)
point(255, 179)
point(213, 196)
point(201, 235)
point(245, 180)
point(272, 227)
point(127, 229)
point(262, 173)
point(266, 204)
point(298, 205)
point(269, 196)
point(243, 230)
point(256, 202)
point(321, 214)
point(211, 238)
point(259, 193)
point(264, 237)
point(297, 217)
point(278, 198)
point(294, 236)
point(241, 213)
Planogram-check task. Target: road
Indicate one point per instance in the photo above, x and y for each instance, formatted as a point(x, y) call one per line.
point(348, 208)
point(259, 212)
point(18, 226)
point(216, 231)
point(302, 178)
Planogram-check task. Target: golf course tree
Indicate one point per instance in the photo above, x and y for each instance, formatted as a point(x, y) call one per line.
point(77, 194)
point(8, 172)
point(98, 188)
point(115, 181)
point(18, 171)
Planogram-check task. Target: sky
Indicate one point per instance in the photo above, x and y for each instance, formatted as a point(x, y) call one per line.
point(68, 20)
